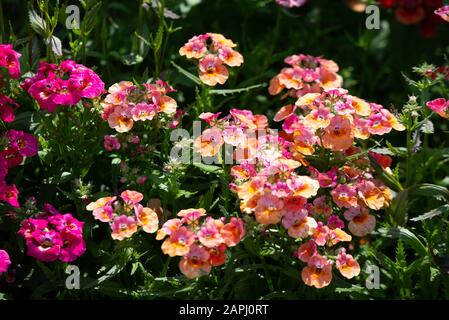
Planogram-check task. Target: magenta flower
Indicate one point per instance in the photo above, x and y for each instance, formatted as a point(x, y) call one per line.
point(9, 59)
point(63, 85)
point(5, 261)
point(7, 107)
point(45, 245)
point(25, 143)
point(9, 194)
point(111, 143)
point(53, 236)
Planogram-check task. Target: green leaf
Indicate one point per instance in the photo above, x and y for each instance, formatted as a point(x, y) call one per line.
point(37, 23)
point(56, 45)
point(433, 213)
point(225, 92)
point(90, 18)
point(430, 190)
point(131, 59)
point(187, 74)
point(407, 236)
point(207, 168)
point(397, 211)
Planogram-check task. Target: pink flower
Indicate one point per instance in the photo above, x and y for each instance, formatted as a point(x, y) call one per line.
point(50, 88)
point(143, 111)
point(72, 248)
point(344, 196)
point(25, 143)
point(440, 106)
point(347, 265)
point(443, 12)
point(5, 261)
point(196, 262)
point(291, 3)
point(9, 59)
point(29, 226)
point(209, 235)
point(233, 232)
point(111, 143)
point(9, 194)
point(132, 197)
point(306, 251)
point(123, 227)
point(45, 245)
point(7, 107)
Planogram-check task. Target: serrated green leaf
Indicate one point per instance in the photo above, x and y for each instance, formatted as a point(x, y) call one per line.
point(433, 213)
point(187, 74)
point(225, 92)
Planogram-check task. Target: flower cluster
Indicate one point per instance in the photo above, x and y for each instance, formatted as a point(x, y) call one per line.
point(421, 12)
point(127, 103)
point(9, 59)
point(16, 145)
point(239, 129)
point(291, 3)
point(5, 261)
point(213, 51)
point(200, 240)
point(440, 106)
point(333, 119)
point(63, 85)
point(305, 74)
point(53, 236)
point(281, 185)
point(125, 216)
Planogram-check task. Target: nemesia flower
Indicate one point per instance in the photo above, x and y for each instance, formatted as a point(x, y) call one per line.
point(344, 196)
point(268, 209)
point(347, 265)
point(195, 263)
point(306, 251)
point(7, 107)
point(217, 255)
point(209, 142)
point(440, 106)
point(123, 227)
point(212, 71)
point(306, 74)
point(5, 261)
point(232, 232)
point(53, 236)
point(131, 197)
point(25, 143)
point(9, 59)
point(209, 235)
point(9, 194)
point(200, 240)
point(361, 222)
point(64, 84)
point(339, 135)
point(443, 12)
point(111, 143)
point(148, 220)
point(178, 243)
point(291, 3)
point(127, 103)
point(102, 209)
point(318, 272)
point(213, 51)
